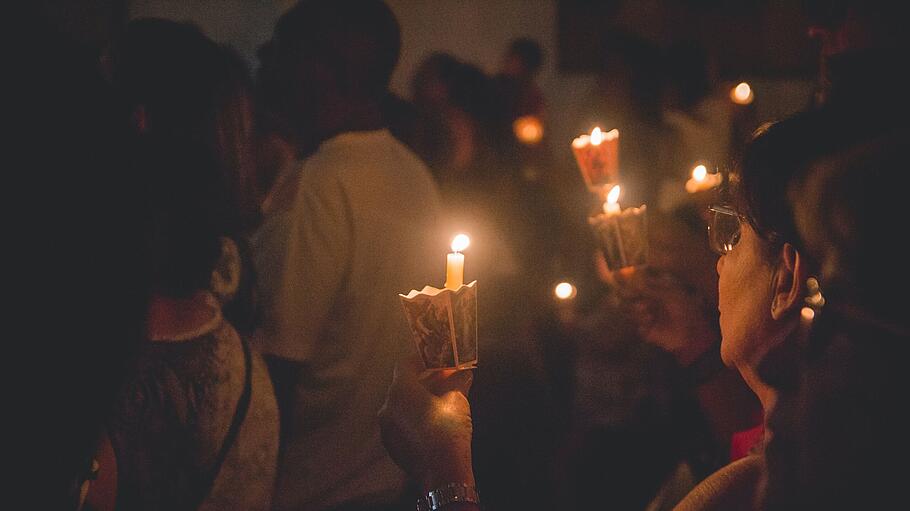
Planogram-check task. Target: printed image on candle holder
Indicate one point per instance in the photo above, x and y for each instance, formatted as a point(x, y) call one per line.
point(622, 237)
point(444, 325)
point(597, 156)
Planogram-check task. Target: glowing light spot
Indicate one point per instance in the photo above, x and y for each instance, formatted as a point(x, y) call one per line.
point(564, 291)
point(528, 129)
point(460, 242)
point(742, 94)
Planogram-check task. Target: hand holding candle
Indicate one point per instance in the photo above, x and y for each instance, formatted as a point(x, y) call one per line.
point(597, 155)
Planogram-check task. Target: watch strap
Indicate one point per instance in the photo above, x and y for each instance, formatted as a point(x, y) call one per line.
point(451, 492)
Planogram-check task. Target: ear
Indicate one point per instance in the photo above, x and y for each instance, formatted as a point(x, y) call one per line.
point(788, 286)
point(226, 274)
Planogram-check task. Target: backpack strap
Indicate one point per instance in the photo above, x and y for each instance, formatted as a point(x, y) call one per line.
point(207, 481)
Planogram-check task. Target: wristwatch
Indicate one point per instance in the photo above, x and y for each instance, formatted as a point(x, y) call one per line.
point(447, 494)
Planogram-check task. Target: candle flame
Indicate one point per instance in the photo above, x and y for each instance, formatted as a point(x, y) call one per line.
point(699, 173)
point(564, 291)
point(742, 94)
point(597, 136)
point(460, 242)
point(613, 196)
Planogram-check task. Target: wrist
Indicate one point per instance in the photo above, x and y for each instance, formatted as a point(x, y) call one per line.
point(451, 497)
point(440, 476)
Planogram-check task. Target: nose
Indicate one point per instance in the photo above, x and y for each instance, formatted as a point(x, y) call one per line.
point(720, 264)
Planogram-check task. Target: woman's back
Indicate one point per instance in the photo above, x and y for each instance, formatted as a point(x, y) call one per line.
point(173, 418)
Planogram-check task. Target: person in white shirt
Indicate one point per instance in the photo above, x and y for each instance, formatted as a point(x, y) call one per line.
point(346, 228)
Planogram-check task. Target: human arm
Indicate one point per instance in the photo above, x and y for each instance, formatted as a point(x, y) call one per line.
point(426, 426)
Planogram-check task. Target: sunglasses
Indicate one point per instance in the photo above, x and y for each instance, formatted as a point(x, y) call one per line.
point(724, 229)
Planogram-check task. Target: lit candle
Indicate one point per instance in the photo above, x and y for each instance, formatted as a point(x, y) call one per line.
point(742, 94)
point(611, 206)
point(701, 180)
point(455, 262)
point(597, 156)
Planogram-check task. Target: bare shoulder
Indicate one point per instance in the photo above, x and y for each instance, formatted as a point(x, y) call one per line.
point(734, 486)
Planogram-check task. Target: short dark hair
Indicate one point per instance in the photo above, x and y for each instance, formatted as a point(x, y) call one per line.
point(360, 39)
point(783, 152)
point(529, 51)
point(779, 153)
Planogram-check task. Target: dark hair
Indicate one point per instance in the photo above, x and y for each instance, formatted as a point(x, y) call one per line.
point(187, 213)
point(438, 67)
point(529, 51)
point(194, 89)
point(359, 39)
point(778, 153)
point(845, 209)
point(783, 152)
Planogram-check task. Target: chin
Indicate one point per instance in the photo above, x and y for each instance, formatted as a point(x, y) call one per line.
point(725, 355)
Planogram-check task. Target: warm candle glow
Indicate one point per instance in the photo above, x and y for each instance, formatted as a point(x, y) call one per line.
point(528, 129)
point(564, 291)
point(613, 196)
point(742, 94)
point(460, 242)
point(597, 156)
point(455, 262)
point(701, 180)
point(611, 206)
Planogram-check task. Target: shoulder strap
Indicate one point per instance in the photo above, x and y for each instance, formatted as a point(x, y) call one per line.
point(207, 481)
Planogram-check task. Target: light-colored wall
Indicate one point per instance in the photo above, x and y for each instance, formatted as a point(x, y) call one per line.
point(477, 31)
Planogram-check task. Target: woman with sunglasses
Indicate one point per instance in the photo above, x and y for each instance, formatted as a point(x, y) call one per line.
point(762, 288)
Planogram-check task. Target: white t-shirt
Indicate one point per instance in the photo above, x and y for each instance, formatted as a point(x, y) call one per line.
point(344, 232)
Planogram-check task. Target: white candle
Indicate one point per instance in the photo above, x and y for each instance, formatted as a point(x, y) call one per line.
point(611, 206)
point(455, 262)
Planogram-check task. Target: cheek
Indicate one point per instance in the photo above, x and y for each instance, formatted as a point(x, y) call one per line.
point(742, 301)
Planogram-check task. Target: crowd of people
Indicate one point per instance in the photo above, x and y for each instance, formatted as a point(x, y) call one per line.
point(225, 331)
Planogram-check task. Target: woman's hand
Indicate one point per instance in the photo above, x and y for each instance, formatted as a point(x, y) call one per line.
point(426, 424)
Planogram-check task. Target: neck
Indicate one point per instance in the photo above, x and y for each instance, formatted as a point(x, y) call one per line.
point(767, 396)
point(346, 115)
point(172, 318)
